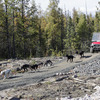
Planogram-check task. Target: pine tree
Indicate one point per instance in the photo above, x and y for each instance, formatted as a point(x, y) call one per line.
point(3, 46)
point(97, 22)
point(52, 28)
point(82, 31)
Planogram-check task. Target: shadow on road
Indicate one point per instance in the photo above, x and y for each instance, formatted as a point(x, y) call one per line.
point(87, 56)
point(14, 98)
point(14, 77)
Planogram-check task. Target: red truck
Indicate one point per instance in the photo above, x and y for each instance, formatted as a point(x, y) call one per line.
point(95, 45)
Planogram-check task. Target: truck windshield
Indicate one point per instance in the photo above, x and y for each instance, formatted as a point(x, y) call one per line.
point(96, 37)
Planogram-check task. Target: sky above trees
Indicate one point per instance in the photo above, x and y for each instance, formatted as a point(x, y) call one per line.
point(80, 5)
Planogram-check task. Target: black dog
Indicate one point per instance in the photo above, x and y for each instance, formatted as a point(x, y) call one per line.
point(35, 67)
point(70, 57)
point(81, 54)
point(25, 67)
point(48, 63)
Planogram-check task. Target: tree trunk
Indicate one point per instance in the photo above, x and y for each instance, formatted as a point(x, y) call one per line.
point(62, 32)
point(14, 54)
point(23, 30)
point(7, 32)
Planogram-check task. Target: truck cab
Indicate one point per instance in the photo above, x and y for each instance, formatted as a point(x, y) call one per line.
point(95, 44)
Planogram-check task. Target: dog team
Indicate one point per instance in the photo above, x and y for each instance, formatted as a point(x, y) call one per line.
point(8, 72)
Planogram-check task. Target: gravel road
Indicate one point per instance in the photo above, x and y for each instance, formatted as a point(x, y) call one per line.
point(31, 77)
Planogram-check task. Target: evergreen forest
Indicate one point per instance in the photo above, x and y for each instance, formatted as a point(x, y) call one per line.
point(27, 31)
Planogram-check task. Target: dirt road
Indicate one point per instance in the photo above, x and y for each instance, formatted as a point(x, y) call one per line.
point(30, 77)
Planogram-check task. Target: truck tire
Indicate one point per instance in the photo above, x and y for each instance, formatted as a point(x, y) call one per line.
point(91, 50)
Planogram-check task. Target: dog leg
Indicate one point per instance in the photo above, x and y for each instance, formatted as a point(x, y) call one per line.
point(4, 77)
